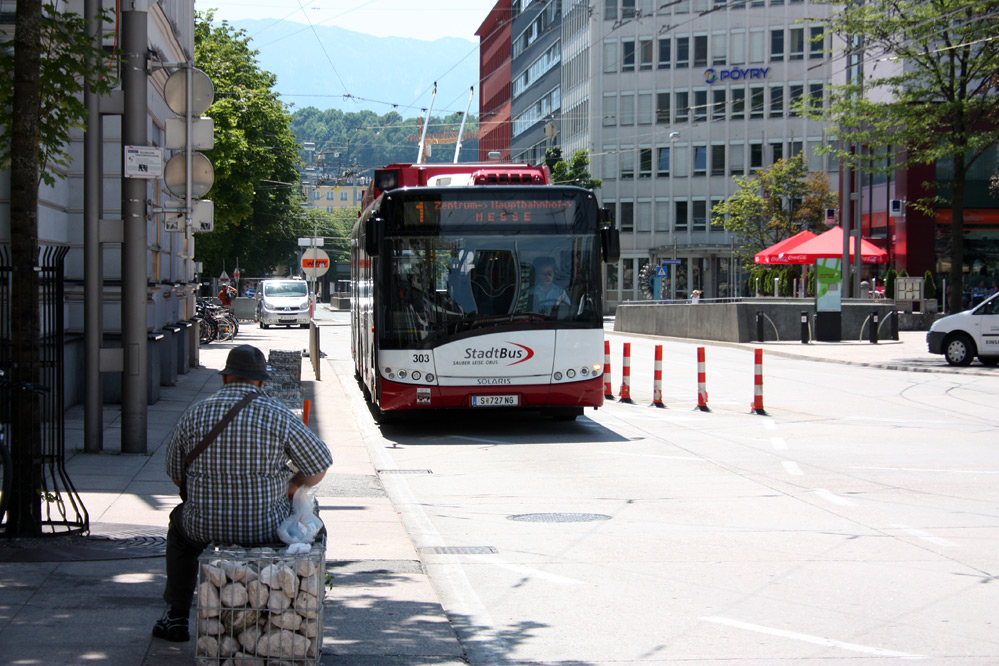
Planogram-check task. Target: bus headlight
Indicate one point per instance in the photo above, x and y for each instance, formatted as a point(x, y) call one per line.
point(584, 371)
point(557, 376)
point(430, 377)
point(570, 373)
point(416, 375)
point(402, 374)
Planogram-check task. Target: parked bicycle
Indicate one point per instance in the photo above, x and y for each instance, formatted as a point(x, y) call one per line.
point(6, 464)
point(216, 322)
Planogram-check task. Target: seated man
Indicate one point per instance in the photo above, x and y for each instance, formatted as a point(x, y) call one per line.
point(546, 295)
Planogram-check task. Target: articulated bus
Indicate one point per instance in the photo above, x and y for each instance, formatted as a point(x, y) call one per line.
point(478, 286)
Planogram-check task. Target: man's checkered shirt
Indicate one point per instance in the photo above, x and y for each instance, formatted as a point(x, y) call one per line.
point(237, 489)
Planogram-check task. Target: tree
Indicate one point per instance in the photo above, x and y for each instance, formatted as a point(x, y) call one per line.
point(257, 188)
point(773, 204)
point(574, 172)
point(935, 104)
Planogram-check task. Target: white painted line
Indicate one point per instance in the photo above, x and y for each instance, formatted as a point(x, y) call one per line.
point(831, 497)
point(652, 455)
point(925, 469)
point(817, 640)
point(527, 571)
point(926, 536)
point(792, 468)
point(769, 425)
point(888, 420)
point(778, 443)
point(472, 439)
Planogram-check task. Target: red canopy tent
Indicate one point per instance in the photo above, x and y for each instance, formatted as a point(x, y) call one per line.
point(829, 245)
point(775, 253)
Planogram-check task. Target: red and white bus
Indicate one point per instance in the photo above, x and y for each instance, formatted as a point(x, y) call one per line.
point(479, 286)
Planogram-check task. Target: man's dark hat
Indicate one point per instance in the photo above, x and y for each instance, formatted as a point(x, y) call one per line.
point(248, 362)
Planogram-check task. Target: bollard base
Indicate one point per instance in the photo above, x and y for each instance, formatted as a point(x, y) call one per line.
point(626, 401)
point(701, 408)
point(609, 396)
point(659, 405)
point(760, 411)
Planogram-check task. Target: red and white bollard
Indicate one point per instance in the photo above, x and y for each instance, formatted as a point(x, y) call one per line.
point(657, 379)
point(626, 375)
point(608, 391)
point(758, 384)
point(702, 391)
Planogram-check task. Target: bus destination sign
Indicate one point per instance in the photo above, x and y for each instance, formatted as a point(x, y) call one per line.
point(417, 213)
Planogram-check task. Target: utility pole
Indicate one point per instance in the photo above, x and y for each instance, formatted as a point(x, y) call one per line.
point(134, 246)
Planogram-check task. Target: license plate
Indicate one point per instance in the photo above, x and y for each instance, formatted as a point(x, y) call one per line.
point(495, 401)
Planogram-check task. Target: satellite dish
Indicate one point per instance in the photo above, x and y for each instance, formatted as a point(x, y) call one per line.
point(202, 175)
point(175, 92)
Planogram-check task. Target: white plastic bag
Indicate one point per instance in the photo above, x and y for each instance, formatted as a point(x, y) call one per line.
point(302, 525)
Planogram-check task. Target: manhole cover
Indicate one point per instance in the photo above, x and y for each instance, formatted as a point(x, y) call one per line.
point(558, 517)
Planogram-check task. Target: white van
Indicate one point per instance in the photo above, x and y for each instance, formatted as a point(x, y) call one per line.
point(283, 303)
point(963, 336)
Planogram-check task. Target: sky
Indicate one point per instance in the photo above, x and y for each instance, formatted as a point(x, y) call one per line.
point(427, 20)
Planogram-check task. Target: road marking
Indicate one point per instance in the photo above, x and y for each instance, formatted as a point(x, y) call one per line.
point(652, 455)
point(817, 640)
point(831, 497)
point(926, 469)
point(527, 571)
point(926, 536)
point(888, 420)
point(778, 443)
point(769, 425)
point(792, 468)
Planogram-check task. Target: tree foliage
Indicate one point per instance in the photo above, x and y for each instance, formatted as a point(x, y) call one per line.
point(929, 94)
point(773, 204)
point(257, 191)
point(574, 172)
point(65, 69)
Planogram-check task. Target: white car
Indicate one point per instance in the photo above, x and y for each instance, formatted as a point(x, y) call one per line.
point(283, 303)
point(963, 336)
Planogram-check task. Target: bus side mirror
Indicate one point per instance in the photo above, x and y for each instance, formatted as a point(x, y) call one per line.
point(610, 245)
point(373, 235)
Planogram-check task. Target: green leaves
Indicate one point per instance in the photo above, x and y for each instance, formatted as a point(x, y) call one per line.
point(65, 69)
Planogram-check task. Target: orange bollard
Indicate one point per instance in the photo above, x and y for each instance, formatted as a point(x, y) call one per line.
point(305, 411)
point(657, 379)
point(757, 407)
point(702, 391)
point(626, 375)
point(608, 391)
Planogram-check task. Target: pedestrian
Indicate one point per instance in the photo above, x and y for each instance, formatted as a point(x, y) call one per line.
point(695, 296)
point(227, 294)
point(238, 489)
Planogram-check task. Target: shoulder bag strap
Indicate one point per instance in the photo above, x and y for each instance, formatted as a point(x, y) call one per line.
point(219, 427)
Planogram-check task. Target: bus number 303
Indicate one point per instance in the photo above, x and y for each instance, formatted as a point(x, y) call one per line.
point(421, 358)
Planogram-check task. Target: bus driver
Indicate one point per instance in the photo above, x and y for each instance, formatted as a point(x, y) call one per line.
point(546, 294)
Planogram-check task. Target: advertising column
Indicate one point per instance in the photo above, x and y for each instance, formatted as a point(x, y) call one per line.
point(828, 300)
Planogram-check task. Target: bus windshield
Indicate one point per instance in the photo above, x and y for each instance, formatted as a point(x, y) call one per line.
point(448, 285)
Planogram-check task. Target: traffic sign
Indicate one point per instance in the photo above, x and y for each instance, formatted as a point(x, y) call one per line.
point(662, 271)
point(315, 263)
point(235, 273)
point(670, 262)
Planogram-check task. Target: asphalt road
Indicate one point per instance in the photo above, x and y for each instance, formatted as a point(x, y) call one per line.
point(854, 523)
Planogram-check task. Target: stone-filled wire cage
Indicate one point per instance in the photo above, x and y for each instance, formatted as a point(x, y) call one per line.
point(260, 606)
point(43, 500)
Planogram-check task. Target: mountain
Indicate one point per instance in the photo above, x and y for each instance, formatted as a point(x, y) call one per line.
point(332, 68)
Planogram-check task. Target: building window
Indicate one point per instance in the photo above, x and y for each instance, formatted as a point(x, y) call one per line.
point(700, 160)
point(609, 163)
point(737, 159)
point(680, 215)
point(715, 219)
point(644, 108)
point(645, 54)
point(662, 108)
point(611, 278)
point(681, 161)
point(330, 195)
point(344, 195)
point(662, 215)
point(796, 46)
point(664, 53)
point(627, 219)
point(662, 165)
point(700, 105)
point(796, 147)
point(627, 9)
point(610, 109)
point(755, 156)
point(627, 109)
point(718, 159)
point(610, 10)
point(627, 163)
point(738, 47)
point(757, 102)
point(777, 101)
point(817, 43)
point(628, 56)
point(776, 151)
point(700, 215)
point(719, 41)
point(700, 51)
point(645, 163)
point(682, 105)
point(795, 91)
point(718, 98)
point(682, 52)
point(777, 45)
point(815, 100)
point(643, 216)
point(738, 103)
point(610, 57)
point(756, 46)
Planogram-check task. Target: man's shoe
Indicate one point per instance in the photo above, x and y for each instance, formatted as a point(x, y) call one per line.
point(172, 627)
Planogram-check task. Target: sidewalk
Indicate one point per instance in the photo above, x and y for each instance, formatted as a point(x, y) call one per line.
point(92, 600)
